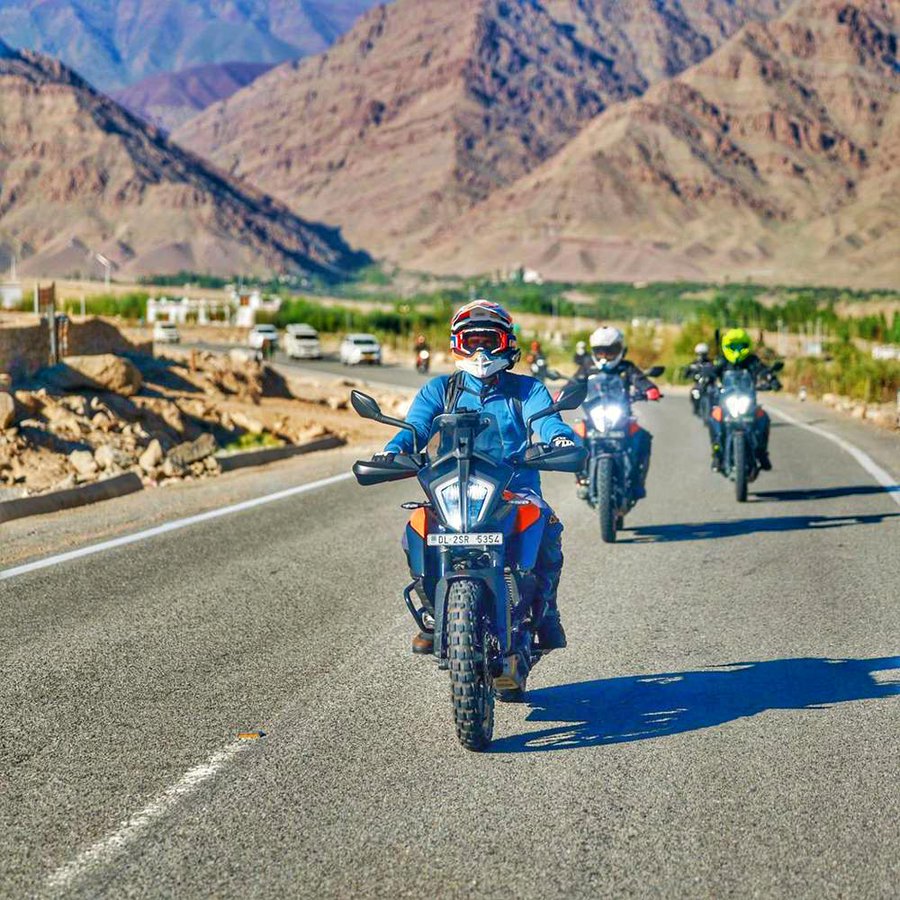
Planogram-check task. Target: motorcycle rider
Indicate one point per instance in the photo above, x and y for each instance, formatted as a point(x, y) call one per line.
point(582, 359)
point(537, 360)
point(737, 354)
point(608, 351)
point(484, 348)
point(695, 369)
point(421, 346)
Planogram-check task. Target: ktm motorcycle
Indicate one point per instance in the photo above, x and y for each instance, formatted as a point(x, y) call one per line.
point(607, 428)
point(472, 546)
point(737, 409)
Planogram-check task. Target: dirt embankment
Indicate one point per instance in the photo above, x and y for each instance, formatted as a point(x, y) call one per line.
point(164, 419)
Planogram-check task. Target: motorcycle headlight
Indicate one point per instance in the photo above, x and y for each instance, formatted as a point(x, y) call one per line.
point(737, 405)
point(606, 416)
point(478, 492)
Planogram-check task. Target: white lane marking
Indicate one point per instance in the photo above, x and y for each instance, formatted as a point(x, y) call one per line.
point(138, 823)
point(105, 850)
point(880, 475)
point(171, 526)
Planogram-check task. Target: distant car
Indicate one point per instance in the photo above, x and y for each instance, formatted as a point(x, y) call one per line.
point(166, 333)
point(360, 348)
point(302, 342)
point(260, 334)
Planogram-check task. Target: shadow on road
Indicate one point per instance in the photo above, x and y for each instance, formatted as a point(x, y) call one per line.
point(858, 490)
point(620, 710)
point(705, 531)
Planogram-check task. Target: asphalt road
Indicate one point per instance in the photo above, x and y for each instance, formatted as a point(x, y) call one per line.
point(725, 721)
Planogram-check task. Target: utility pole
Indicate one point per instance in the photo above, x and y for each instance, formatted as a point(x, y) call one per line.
point(107, 266)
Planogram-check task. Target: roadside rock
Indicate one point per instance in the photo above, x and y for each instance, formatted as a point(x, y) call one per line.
point(106, 372)
point(151, 457)
point(109, 458)
point(7, 411)
point(172, 469)
point(83, 463)
point(193, 451)
point(247, 423)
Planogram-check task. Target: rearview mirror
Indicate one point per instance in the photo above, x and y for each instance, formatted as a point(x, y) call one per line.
point(656, 371)
point(368, 408)
point(571, 396)
point(365, 406)
point(778, 365)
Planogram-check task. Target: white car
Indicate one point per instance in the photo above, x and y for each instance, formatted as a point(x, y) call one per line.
point(360, 348)
point(260, 334)
point(302, 342)
point(166, 333)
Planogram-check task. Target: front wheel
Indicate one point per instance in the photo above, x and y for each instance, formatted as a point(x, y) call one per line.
point(471, 685)
point(606, 508)
point(739, 461)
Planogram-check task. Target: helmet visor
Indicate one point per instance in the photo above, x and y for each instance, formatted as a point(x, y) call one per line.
point(737, 347)
point(490, 340)
point(609, 352)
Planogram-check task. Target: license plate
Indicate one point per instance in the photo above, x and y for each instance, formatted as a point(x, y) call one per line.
point(464, 540)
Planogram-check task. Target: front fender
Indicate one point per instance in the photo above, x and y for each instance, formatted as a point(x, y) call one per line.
point(496, 605)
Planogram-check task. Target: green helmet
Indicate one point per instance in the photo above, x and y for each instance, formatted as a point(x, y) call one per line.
point(736, 345)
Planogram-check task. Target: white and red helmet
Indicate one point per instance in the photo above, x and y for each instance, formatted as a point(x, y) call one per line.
point(482, 340)
point(607, 347)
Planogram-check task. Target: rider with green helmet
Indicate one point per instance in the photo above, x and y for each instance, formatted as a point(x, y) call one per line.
point(737, 353)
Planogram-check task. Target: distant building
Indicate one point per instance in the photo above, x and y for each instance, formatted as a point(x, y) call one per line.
point(10, 294)
point(240, 309)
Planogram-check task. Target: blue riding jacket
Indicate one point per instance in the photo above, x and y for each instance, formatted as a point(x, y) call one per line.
point(498, 398)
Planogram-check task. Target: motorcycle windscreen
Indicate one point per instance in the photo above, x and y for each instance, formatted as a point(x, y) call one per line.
point(608, 386)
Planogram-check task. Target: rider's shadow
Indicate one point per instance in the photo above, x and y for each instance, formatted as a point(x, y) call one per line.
point(634, 708)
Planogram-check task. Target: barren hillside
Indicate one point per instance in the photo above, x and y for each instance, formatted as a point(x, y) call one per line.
point(80, 175)
point(427, 106)
point(776, 157)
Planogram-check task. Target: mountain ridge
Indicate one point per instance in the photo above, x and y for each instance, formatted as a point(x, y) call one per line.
point(777, 156)
point(169, 99)
point(78, 171)
point(427, 106)
point(115, 44)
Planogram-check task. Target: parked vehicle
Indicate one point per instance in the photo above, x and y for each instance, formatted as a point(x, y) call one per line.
point(260, 335)
point(612, 475)
point(166, 333)
point(360, 348)
point(302, 342)
point(736, 409)
point(472, 548)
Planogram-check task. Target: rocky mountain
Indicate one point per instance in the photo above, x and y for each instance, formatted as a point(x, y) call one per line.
point(777, 157)
point(428, 106)
point(114, 44)
point(78, 175)
point(171, 98)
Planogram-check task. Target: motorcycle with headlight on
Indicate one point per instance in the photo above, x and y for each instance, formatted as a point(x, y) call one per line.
point(607, 426)
point(472, 546)
point(736, 408)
